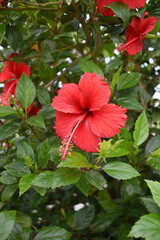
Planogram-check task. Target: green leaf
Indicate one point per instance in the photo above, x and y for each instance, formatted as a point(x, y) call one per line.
point(83, 185)
point(89, 66)
point(152, 144)
point(44, 179)
point(17, 233)
point(120, 148)
point(154, 162)
point(47, 112)
point(25, 91)
point(141, 131)
point(43, 153)
point(8, 192)
point(83, 218)
point(107, 204)
point(120, 170)
point(6, 110)
point(6, 178)
point(24, 148)
point(102, 221)
point(37, 121)
point(121, 10)
point(128, 80)
point(14, 37)
point(66, 176)
point(50, 233)
point(17, 169)
point(43, 96)
point(61, 177)
point(8, 129)
point(129, 103)
point(7, 219)
point(116, 77)
point(155, 190)
point(105, 148)
point(123, 232)
point(147, 227)
point(130, 188)
point(96, 179)
point(75, 160)
point(150, 204)
point(25, 182)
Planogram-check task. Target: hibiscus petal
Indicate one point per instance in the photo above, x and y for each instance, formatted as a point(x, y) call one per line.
point(65, 122)
point(134, 3)
point(107, 121)
point(135, 27)
point(22, 68)
point(68, 99)
point(106, 11)
point(147, 25)
point(85, 139)
point(7, 71)
point(95, 92)
point(9, 87)
point(134, 47)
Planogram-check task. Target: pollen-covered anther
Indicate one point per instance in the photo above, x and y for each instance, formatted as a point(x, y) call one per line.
point(66, 147)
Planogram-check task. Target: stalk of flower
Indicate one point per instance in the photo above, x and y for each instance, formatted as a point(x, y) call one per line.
point(83, 114)
point(108, 12)
point(136, 32)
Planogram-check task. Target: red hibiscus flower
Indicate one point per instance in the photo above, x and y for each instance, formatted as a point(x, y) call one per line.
point(32, 110)
point(11, 73)
point(136, 32)
point(132, 4)
point(83, 114)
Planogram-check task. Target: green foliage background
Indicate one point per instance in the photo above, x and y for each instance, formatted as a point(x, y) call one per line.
point(119, 188)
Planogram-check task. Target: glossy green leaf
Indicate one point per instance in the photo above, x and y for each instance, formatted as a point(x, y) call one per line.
point(155, 190)
point(61, 177)
point(102, 221)
point(43, 153)
point(43, 96)
point(24, 148)
point(7, 178)
point(75, 160)
point(121, 10)
point(17, 169)
point(8, 129)
point(14, 36)
point(83, 218)
point(7, 219)
point(6, 110)
point(129, 103)
point(120, 170)
point(25, 91)
point(150, 204)
point(25, 182)
point(83, 185)
point(128, 80)
point(147, 227)
point(116, 77)
point(53, 232)
point(66, 176)
point(141, 131)
point(96, 179)
point(8, 191)
point(37, 121)
point(89, 66)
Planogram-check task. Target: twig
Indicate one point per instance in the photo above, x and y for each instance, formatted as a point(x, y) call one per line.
point(61, 75)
